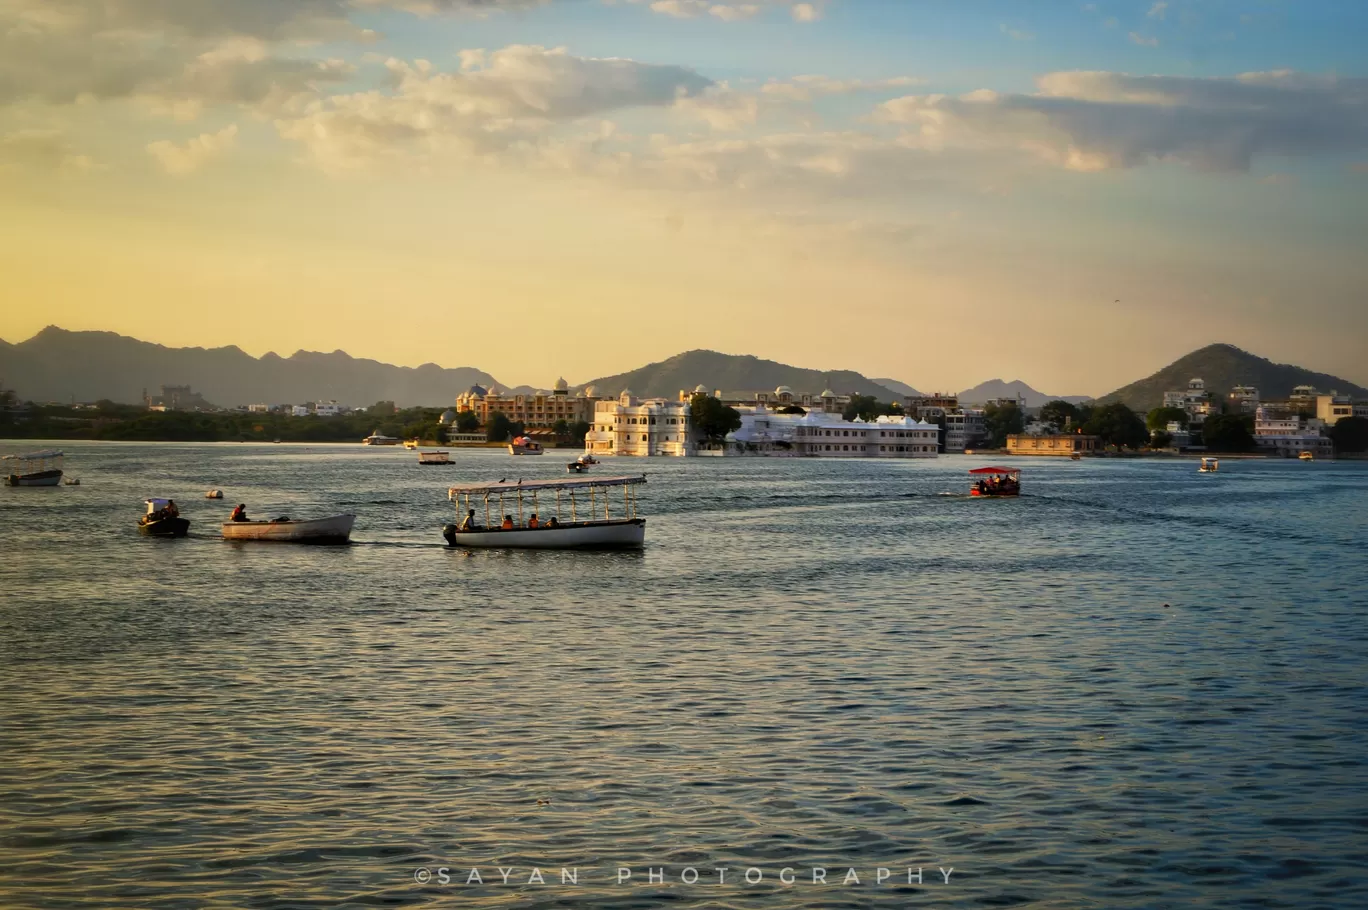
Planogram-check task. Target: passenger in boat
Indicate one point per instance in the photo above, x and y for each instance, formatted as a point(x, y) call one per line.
point(467, 523)
point(240, 513)
point(507, 523)
point(552, 522)
point(171, 510)
point(532, 522)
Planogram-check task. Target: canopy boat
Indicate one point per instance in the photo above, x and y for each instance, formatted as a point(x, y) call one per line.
point(434, 458)
point(525, 445)
point(376, 438)
point(333, 529)
point(162, 521)
point(1209, 466)
point(995, 482)
point(1307, 456)
point(581, 465)
point(505, 505)
point(35, 469)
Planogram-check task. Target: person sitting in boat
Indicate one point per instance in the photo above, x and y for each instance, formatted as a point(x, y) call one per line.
point(507, 523)
point(240, 513)
point(171, 511)
point(532, 522)
point(552, 522)
point(467, 523)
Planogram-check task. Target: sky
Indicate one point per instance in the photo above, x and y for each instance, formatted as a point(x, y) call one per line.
point(936, 191)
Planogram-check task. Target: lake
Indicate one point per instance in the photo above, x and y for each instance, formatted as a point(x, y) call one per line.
point(1135, 686)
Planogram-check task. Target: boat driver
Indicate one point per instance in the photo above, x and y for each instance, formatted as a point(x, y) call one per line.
point(240, 513)
point(467, 523)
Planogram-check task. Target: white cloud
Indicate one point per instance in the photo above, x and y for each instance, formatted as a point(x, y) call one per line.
point(1143, 40)
point(184, 159)
point(806, 12)
point(1100, 120)
point(1015, 34)
point(1158, 10)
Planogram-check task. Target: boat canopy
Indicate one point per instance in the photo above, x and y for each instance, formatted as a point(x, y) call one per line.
point(34, 456)
point(467, 489)
point(154, 505)
point(996, 471)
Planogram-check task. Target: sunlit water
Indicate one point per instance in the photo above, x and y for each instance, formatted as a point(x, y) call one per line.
point(1133, 687)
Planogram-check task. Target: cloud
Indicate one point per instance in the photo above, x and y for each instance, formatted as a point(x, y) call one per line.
point(689, 9)
point(806, 12)
point(1158, 10)
point(1015, 34)
point(43, 150)
point(184, 159)
point(503, 99)
point(805, 88)
point(1143, 40)
point(1100, 121)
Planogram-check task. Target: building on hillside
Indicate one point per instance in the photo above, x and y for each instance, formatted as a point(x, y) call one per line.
point(1333, 408)
point(1243, 399)
point(327, 408)
point(929, 407)
point(628, 425)
point(258, 409)
point(1289, 436)
point(1195, 400)
point(1066, 444)
point(538, 411)
point(299, 410)
point(964, 429)
point(1303, 398)
point(1015, 401)
point(177, 398)
point(828, 402)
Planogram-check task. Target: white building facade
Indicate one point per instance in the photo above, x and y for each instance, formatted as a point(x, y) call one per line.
point(884, 437)
point(627, 425)
point(1288, 437)
point(964, 428)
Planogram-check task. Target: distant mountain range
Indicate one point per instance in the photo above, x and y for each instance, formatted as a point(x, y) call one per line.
point(735, 373)
point(901, 388)
point(1223, 366)
point(996, 388)
point(57, 365)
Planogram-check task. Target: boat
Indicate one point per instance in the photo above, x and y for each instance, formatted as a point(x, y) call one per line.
point(581, 465)
point(157, 523)
point(434, 458)
point(995, 483)
point(525, 445)
point(213, 494)
point(34, 469)
point(333, 529)
point(1307, 456)
point(410, 443)
point(376, 438)
point(583, 521)
point(71, 481)
point(1209, 466)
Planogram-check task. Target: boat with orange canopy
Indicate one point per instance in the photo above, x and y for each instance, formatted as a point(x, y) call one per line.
point(995, 482)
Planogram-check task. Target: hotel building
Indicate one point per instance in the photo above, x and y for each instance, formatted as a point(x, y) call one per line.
point(1288, 437)
point(538, 411)
point(1067, 444)
point(828, 402)
point(627, 425)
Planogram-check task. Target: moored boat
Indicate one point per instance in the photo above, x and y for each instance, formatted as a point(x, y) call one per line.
point(525, 445)
point(1307, 456)
point(434, 458)
point(583, 522)
point(1209, 466)
point(333, 529)
point(33, 469)
point(994, 483)
point(376, 438)
point(581, 465)
point(163, 520)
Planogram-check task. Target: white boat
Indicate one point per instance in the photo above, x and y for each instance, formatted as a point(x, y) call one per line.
point(513, 516)
point(581, 465)
point(434, 458)
point(333, 529)
point(1209, 466)
point(376, 438)
point(1307, 456)
point(525, 445)
point(34, 469)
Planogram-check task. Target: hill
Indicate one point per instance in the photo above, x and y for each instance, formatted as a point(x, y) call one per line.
point(57, 365)
point(901, 388)
point(1224, 366)
point(996, 388)
point(731, 372)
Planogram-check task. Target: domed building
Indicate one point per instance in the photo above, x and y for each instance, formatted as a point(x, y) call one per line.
point(447, 417)
point(538, 412)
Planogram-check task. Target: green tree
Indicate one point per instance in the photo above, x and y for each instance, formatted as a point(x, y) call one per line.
point(867, 407)
point(499, 428)
point(466, 422)
point(712, 419)
point(1059, 413)
point(1117, 425)
point(1160, 418)
point(790, 409)
point(578, 430)
point(382, 408)
point(1228, 432)
point(561, 428)
point(1350, 434)
point(1001, 421)
point(1161, 439)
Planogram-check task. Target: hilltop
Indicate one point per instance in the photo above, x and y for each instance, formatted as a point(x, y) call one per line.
point(734, 373)
point(58, 365)
point(1224, 366)
point(996, 388)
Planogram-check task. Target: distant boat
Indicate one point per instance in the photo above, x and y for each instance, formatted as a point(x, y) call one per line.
point(581, 465)
point(380, 439)
point(156, 523)
point(1209, 466)
point(1307, 456)
point(34, 469)
point(525, 445)
point(410, 443)
point(434, 458)
point(994, 483)
point(333, 529)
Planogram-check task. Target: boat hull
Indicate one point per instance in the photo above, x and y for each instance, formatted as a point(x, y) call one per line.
point(334, 529)
point(627, 533)
point(525, 450)
point(36, 479)
point(165, 527)
point(978, 495)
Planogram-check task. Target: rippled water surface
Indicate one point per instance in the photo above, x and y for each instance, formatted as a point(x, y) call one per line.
point(1133, 687)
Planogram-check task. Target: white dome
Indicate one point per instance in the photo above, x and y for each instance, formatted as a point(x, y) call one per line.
point(447, 416)
point(783, 390)
point(562, 385)
point(700, 389)
point(828, 394)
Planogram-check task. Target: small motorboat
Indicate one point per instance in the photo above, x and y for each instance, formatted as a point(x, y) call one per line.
point(581, 465)
point(995, 483)
point(162, 520)
point(410, 443)
point(1209, 466)
point(434, 458)
point(525, 445)
point(1307, 456)
point(35, 469)
point(333, 529)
